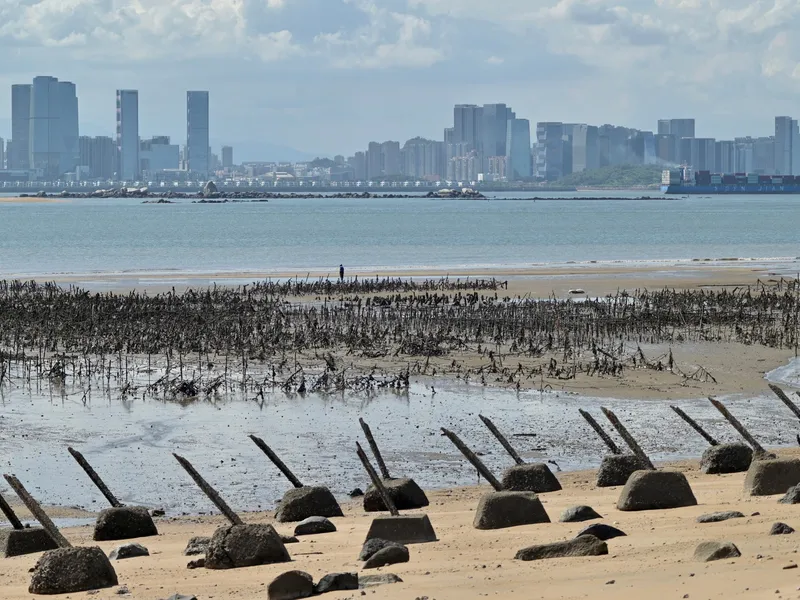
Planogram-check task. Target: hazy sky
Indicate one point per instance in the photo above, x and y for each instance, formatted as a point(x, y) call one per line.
point(327, 76)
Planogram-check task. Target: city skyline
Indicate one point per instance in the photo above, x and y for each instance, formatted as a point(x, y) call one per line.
point(266, 64)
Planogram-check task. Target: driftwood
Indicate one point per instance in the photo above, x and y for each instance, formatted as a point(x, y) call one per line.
point(502, 439)
point(695, 425)
point(629, 439)
point(37, 511)
point(94, 477)
point(209, 491)
point(473, 458)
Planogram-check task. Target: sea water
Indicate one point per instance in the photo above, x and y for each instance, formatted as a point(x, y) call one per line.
point(126, 237)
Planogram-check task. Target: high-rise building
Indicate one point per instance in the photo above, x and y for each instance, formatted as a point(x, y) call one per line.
point(764, 155)
point(157, 155)
point(702, 153)
point(19, 153)
point(550, 144)
point(725, 157)
point(518, 149)
point(390, 158)
point(743, 155)
point(128, 135)
point(68, 126)
point(468, 125)
point(494, 131)
point(359, 164)
point(198, 155)
point(783, 145)
point(2, 153)
point(99, 155)
point(666, 148)
point(424, 159)
point(585, 151)
point(53, 138)
point(227, 157)
point(374, 161)
point(680, 128)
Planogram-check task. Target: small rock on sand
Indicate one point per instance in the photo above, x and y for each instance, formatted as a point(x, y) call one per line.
point(366, 581)
point(391, 555)
point(313, 526)
point(584, 545)
point(291, 585)
point(709, 551)
point(719, 516)
point(780, 529)
point(576, 514)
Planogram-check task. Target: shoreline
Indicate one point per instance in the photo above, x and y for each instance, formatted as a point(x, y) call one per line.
point(594, 279)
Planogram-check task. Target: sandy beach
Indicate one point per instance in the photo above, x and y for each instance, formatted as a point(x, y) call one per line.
point(29, 200)
point(655, 560)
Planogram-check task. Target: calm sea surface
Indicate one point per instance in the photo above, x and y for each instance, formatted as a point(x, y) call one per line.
point(128, 237)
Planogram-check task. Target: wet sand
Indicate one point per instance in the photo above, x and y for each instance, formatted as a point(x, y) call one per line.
point(591, 280)
point(653, 561)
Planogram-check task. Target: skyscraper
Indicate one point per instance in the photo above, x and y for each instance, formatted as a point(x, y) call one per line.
point(783, 145)
point(2, 153)
point(198, 157)
point(494, 131)
point(374, 159)
point(467, 125)
point(18, 154)
point(518, 149)
point(680, 128)
point(46, 141)
point(227, 157)
point(68, 126)
point(128, 135)
point(550, 145)
point(585, 150)
point(98, 154)
point(390, 158)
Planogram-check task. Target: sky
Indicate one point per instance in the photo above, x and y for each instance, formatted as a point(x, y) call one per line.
point(324, 77)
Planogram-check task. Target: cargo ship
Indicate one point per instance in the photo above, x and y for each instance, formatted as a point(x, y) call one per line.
point(681, 181)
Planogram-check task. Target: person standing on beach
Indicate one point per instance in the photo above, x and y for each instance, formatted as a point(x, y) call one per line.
point(341, 272)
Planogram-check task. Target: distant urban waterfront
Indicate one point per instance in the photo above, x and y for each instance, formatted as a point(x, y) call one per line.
point(132, 241)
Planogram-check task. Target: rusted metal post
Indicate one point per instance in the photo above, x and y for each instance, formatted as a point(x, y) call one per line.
point(473, 458)
point(502, 439)
point(375, 450)
point(94, 477)
point(37, 512)
point(209, 491)
point(376, 481)
point(600, 431)
point(785, 399)
point(623, 432)
point(758, 448)
point(276, 461)
point(10, 514)
point(695, 425)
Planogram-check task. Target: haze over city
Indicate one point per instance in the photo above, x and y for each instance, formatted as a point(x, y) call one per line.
point(327, 76)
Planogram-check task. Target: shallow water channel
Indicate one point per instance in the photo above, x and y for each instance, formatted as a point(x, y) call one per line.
point(129, 442)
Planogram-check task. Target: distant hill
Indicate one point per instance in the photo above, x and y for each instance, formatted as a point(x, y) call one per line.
point(620, 176)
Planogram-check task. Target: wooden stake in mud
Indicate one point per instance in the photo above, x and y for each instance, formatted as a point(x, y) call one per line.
point(623, 432)
point(10, 514)
point(375, 450)
point(600, 431)
point(785, 399)
point(473, 458)
point(276, 461)
point(37, 511)
point(695, 425)
point(94, 477)
point(209, 491)
point(376, 481)
point(758, 448)
point(502, 439)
